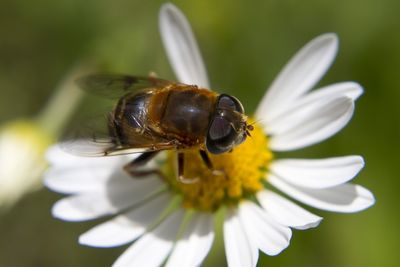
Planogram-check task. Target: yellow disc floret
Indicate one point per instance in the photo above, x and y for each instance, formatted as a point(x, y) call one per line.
point(238, 174)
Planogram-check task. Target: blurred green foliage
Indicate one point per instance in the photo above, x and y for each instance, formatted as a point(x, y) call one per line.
point(244, 44)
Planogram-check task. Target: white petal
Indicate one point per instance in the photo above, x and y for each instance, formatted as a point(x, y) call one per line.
point(318, 173)
point(195, 243)
point(238, 249)
point(77, 180)
point(342, 198)
point(286, 212)
point(302, 72)
point(126, 227)
point(325, 94)
point(312, 124)
point(60, 158)
point(83, 207)
point(351, 90)
point(267, 234)
point(181, 47)
point(152, 249)
point(89, 178)
point(296, 115)
point(118, 196)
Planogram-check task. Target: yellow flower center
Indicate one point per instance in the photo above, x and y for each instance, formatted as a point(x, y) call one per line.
point(239, 174)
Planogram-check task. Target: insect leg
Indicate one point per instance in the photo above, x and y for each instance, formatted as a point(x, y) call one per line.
point(206, 159)
point(208, 163)
point(181, 165)
point(132, 167)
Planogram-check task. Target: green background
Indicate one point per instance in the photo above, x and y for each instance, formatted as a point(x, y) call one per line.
point(244, 44)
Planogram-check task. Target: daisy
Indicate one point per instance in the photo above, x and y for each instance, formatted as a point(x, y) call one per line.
point(173, 223)
point(22, 147)
point(24, 141)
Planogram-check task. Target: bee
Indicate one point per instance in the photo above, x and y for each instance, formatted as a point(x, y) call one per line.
point(152, 115)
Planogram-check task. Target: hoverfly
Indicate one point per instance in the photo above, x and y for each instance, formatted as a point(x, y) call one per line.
point(153, 114)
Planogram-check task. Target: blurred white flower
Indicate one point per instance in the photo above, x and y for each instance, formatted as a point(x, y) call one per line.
point(290, 116)
point(22, 147)
point(23, 142)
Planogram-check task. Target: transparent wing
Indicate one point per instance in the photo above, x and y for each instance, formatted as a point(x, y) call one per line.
point(99, 147)
point(115, 86)
point(98, 139)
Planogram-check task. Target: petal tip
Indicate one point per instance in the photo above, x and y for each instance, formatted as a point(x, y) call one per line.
point(310, 225)
point(62, 210)
point(58, 211)
point(359, 88)
point(86, 239)
point(282, 248)
point(167, 11)
point(361, 161)
point(48, 181)
point(83, 240)
point(330, 42)
point(364, 199)
point(166, 6)
point(330, 38)
point(368, 197)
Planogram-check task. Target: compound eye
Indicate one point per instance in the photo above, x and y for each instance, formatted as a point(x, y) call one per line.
point(221, 136)
point(219, 129)
point(230, 103)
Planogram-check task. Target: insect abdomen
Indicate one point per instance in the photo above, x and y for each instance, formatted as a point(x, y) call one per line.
point(130, 117)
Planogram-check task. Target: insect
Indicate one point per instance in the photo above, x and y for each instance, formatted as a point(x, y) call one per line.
point(153, 114)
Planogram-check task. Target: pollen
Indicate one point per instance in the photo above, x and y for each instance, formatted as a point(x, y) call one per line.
point(238, 174)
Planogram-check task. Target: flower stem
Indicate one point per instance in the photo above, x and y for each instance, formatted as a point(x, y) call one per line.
point(62, 104)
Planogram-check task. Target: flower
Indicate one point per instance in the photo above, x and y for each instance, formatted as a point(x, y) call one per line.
point(172, 222)
point(23, 142)
point(22, 147)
